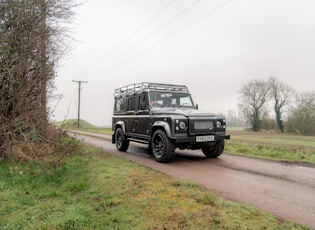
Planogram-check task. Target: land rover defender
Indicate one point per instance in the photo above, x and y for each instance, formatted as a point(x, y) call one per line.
point(164, 117)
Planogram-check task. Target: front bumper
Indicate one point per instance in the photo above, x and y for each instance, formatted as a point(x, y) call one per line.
point(192, 139)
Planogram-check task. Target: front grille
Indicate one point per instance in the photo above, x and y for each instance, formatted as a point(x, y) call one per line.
point(202, 125)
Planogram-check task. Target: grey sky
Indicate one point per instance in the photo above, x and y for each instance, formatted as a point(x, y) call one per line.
point(213, 47)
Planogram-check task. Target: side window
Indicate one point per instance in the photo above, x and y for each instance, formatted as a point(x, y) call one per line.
point(120, 105)
point(143, 103)
point(132, 104)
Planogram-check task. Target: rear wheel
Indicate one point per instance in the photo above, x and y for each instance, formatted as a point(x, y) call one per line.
point(122, 143)
point(162, 148)
point(214, 151)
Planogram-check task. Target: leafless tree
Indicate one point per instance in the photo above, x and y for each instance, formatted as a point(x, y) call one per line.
point(302, 115)
point(32, 38)
point(282, 96)
point(253, 97)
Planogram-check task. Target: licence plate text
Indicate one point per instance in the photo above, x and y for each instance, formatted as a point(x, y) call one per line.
point(204, 138)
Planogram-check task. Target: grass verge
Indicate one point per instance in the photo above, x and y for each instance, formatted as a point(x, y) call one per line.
point(274, 146)
point(97, 190)
point(84, 126)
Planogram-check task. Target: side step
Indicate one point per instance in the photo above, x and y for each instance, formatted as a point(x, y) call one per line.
point(138, 140)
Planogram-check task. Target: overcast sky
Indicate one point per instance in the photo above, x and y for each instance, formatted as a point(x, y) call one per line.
point(212, 46)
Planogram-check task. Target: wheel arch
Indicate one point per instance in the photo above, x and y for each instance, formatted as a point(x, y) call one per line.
point(161, 125)
point(120, 124)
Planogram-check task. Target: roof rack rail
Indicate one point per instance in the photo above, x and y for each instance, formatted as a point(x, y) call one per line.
point(140, 87)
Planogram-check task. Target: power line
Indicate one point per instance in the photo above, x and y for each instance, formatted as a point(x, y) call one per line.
point(169, 36)
point(132, 34)
point(151, 34)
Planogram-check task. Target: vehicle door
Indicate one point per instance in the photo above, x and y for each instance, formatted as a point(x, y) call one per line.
point(130, 115)
point(142, 120)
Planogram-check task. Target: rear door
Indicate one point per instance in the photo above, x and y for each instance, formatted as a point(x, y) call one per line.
point(130, 116)
point(142, 119)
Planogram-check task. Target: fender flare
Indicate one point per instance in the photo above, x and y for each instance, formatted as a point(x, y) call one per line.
point(164, 125)
point(120, 124)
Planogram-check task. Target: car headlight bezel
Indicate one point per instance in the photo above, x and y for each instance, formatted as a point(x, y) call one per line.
point(180, 125)
point(218, 124)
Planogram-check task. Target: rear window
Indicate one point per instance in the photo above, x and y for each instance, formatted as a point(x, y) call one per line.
point(120, 105)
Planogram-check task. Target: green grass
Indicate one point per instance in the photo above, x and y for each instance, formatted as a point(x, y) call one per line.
point(84, 126)
point(96, 190)
point(73, 124)
point(274, 146)
point(274, 138)
point(236, 128)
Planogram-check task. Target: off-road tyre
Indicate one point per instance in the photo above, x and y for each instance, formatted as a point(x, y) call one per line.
point(122, 143)
point(162, 148)
point(214, 151)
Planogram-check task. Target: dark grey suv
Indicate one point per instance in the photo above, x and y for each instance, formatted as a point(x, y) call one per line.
point(164, 117)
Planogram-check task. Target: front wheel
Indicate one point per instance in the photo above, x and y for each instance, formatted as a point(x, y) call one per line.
point(122, 143)
point(214, 151)
point(162, 148)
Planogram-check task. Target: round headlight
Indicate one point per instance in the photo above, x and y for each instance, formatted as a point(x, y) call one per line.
point(219, 124)
point(182, 125)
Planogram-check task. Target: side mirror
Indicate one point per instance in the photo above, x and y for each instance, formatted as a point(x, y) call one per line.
point(197, 107)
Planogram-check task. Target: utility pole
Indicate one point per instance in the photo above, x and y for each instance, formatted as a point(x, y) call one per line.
point(79, 101)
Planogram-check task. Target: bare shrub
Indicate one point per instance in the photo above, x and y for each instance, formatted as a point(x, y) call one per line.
point(32, 39)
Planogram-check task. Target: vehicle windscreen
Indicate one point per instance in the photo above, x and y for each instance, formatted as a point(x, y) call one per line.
point(170, 100)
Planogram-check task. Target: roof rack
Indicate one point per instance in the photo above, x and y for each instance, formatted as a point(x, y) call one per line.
point(140, 87)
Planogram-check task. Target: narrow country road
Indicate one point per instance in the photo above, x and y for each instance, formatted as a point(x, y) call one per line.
point(284, 189)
